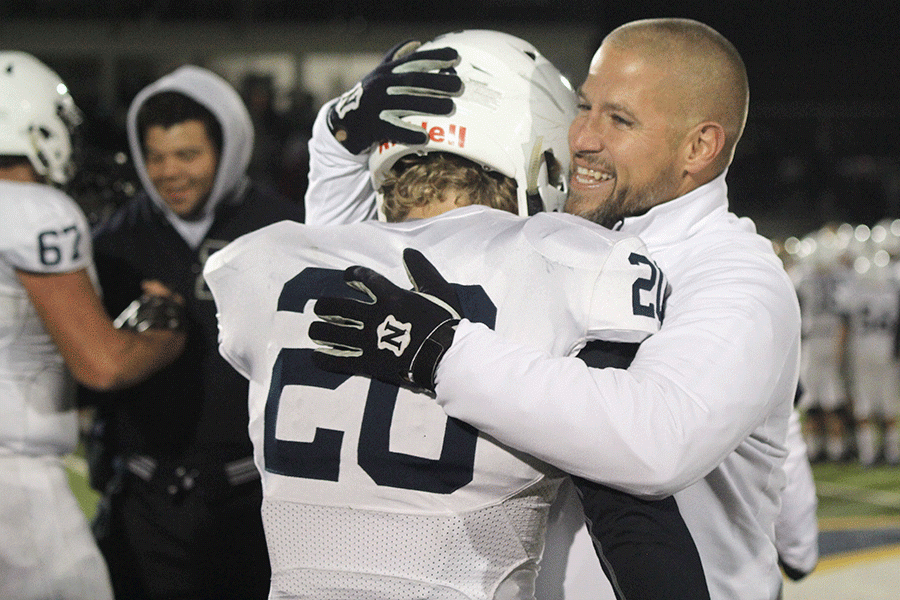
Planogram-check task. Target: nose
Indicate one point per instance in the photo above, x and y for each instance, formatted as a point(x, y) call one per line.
point(168, 167)
point(586, 133)
point(161, 165)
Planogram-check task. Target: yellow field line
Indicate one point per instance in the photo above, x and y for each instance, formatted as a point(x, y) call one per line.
point(846, 559)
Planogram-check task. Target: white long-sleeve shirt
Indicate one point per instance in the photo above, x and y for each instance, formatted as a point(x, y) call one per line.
point(796, 528)
point(339, 191)
point(701, 413)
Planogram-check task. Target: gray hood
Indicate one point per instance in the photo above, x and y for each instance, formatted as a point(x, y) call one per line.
point(225, 103)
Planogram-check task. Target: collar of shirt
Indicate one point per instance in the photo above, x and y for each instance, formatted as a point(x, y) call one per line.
point(673, 221)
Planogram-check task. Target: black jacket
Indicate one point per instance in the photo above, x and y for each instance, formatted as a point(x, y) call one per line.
point(194, 412)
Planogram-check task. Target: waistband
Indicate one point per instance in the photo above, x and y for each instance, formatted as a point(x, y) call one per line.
point(236, 472)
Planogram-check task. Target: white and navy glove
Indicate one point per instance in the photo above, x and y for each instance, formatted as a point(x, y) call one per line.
point(405, 83)
point(399, 336)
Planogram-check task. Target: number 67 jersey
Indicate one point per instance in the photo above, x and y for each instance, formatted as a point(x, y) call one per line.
point(42, 230)
point(371, 492)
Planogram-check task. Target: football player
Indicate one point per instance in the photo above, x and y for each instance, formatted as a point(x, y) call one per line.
point(368, 491)
point(52, 327)
point(869, 300)
point(825, 398)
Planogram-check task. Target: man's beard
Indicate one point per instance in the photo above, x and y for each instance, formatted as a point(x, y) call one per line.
point(607, 213)
point(621, 202)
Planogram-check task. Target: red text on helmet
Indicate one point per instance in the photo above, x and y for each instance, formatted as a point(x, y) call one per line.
point(453, 136)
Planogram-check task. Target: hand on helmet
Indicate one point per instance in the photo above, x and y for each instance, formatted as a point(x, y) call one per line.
point(406, 82)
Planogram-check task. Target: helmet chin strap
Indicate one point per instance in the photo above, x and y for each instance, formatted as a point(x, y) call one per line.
point(533, 202)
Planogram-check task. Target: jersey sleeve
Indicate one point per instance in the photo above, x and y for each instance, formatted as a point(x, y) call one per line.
point(46, 232)
point(610, 281)
point(655, 428)
point(339, 190)
point(629, 296)
point(228, 281)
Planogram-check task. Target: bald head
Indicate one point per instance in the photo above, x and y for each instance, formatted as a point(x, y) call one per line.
point(705, 76)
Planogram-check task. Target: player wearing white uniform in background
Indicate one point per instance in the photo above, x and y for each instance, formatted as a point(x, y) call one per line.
point(703, 411)
point(870, 301)
point(42, 528)
point(51, 323)
point(390, 499)
point(817, 277)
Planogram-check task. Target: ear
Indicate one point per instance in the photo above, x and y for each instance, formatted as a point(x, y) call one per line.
point(703, 146)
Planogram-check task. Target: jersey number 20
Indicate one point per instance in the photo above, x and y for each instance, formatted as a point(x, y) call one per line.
point(321, 458)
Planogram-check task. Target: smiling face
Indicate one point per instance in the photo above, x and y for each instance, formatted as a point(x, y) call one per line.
point(181, 163)
point(627, 139)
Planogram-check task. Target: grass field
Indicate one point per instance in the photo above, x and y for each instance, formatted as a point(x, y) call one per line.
point(859, 531)
point(78, 481)
point(847, 493)
point(849, 490)
point(859, 535)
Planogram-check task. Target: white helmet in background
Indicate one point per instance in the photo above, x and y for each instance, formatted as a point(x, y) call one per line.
point(37, 116)
point(512, 117)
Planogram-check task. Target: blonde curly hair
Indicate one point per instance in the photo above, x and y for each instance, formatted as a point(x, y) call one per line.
point(419, 180)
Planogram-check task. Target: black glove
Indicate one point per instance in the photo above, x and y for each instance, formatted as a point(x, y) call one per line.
point(794, 573)
point(399, 337)
point(151, 312)
point(405, 83)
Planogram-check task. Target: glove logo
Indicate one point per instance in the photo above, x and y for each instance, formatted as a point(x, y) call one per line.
point(393, 335)
point(349, 101)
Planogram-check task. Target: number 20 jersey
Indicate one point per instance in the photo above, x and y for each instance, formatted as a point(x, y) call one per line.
point(370, 491)
point(42, 230)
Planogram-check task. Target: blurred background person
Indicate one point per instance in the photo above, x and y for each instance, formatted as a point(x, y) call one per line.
point(870, 301)
point(270, 129)
point(52, 326)
point(180, 512)
point(825, 399)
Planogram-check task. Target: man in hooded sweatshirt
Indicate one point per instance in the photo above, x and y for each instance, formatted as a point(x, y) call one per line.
point(180, 513)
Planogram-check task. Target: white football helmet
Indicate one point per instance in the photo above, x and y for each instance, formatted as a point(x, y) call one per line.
point(37, 116)
point(512, 117)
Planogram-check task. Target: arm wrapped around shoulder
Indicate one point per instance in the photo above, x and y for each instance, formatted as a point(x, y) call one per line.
point(152, 312)
point(397, 336)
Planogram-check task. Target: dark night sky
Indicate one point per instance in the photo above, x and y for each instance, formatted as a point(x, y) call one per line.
point(795, 49)
point(824, 79)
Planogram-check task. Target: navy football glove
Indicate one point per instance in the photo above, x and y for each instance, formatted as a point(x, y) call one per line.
point(152, 312)
point(405, 83)
point(399, 337)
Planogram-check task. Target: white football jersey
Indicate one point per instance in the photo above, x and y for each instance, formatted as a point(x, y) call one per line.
point(42, 230)
point(370, 491)
point(821, 374)
point(871, 303)
point(817, 288)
